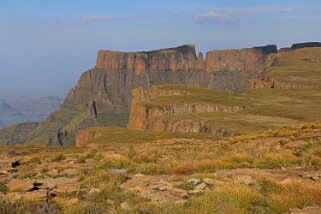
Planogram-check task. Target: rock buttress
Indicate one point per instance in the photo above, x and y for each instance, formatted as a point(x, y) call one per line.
point(102, 96)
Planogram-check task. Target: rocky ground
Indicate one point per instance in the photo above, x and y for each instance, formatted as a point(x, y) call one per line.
point(163, 177)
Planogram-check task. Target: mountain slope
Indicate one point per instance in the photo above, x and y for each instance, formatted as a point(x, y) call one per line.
point(103, 94)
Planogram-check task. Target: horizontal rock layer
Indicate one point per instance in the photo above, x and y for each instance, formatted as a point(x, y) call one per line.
point(183, 58)
point(147, 118)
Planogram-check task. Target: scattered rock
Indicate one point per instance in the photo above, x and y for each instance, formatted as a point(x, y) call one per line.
point(195, 192)
point(36, 187)
point(180, 202)
point(178, 192)
point(121, 172)
point(213, 182)
point(287, 181)
point(73, 201)
point(3, 172)
point(139, 175)
point(125, 206)
point(110, 202)
point(295, 144)
point(53, 173)
point(306, 210)
point(201, 186)
point(94, 191)
point(15, 164)
point(194, 181)
point(312, 175)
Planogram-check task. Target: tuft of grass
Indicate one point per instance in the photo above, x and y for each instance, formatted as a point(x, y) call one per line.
point(147, 168)
point(3, 188)
point(59, 157)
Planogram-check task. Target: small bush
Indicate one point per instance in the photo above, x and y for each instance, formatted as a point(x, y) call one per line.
point(81, 159)
point(59, 157)
point(36, 160)
point(3, 188)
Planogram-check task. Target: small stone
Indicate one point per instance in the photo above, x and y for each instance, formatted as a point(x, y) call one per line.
point(178, 192)
point(180, 202)
point(195, 192)
point(283, 168)
point(125, 206)
point(287, 181)
point(53, 172)
point(315, 178)
point(138, 175)
point(94, 191)
point(110, 202)
point(73, 201)
point(213, 182)
point(201, 186)
point(3, 172)
point(121, 172)
point(194, 181)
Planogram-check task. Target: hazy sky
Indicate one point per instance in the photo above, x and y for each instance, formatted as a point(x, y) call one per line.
point(46, 44)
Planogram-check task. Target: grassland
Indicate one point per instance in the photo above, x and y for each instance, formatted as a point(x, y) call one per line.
point(86, 181)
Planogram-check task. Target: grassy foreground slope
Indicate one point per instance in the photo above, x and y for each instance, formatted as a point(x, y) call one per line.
point(130, 171)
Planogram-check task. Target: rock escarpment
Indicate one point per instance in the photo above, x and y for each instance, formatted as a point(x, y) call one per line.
point(146, 116)
point(103, 94)
point(243, 60)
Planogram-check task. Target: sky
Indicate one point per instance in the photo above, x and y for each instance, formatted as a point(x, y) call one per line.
point(45, 45)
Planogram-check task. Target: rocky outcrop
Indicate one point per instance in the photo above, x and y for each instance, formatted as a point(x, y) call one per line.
point(83, 137)
point(243, 60)
point(182, 58)
point(301, 45)
point(103, 94)
point(306, 45)
point(149, 117)
point(16, 134)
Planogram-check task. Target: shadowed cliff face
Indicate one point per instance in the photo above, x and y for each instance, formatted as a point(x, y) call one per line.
point(102, 96)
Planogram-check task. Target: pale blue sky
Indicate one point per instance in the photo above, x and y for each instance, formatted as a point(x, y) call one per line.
point(46, 44)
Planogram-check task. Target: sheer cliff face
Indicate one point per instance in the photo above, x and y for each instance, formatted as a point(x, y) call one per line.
point(243, 60)
point(177, 59)
point(144, 116)
point(103, 94)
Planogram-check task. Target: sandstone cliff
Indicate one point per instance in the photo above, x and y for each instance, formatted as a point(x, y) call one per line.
point(243, 60)
point(146, 116)
point(102, 95)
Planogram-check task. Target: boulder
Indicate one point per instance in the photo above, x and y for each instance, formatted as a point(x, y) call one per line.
point(125, 206)
point(213, 182)
point(194, 181)
point(178, 192)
